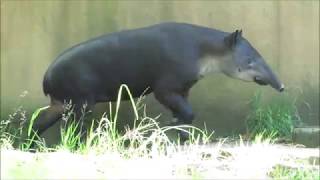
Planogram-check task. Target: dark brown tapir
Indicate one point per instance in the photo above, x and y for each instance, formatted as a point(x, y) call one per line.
point(167, 59)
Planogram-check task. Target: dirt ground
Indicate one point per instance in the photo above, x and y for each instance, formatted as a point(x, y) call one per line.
point(217, 161)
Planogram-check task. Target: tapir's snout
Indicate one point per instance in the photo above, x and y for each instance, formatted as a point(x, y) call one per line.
point(273, 83)
point(267, 77)
point(281, 88)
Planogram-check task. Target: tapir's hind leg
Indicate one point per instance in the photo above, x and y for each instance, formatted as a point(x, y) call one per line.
point(48, 117)
point(53, 113)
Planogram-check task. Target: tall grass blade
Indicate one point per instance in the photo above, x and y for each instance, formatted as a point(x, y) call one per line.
point(33, 117)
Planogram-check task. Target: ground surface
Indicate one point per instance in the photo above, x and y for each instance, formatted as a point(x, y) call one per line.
point(218, 161)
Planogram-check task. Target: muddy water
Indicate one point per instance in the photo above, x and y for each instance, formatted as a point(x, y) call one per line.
point(33, 33)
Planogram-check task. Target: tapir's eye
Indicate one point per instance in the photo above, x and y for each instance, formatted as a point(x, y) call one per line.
point(250, 62)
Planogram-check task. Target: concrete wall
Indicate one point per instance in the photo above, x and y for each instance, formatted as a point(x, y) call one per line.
point(286, 33)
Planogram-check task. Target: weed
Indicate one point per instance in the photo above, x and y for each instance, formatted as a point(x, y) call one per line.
point(283, 172)
point(70, 137)
point(146, 137)
point(263, 138)
point(145, 150)
point(12, 129)
point(33, 117)
point(275, 119)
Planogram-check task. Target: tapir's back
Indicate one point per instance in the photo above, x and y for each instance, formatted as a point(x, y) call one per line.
point(134, 57)
point(99, 66)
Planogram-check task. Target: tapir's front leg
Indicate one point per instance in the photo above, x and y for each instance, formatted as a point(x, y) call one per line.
point(179, 107)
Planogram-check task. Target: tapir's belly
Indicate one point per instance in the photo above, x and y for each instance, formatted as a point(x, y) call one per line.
point(137, 84)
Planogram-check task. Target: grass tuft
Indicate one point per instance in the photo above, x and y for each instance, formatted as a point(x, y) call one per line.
point(275, 119)
point(145, 151)
point(284, 172)
point(33, 117)
point(145, 138)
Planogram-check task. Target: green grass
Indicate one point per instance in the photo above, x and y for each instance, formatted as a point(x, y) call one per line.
point(146, 139)
point(105, 137)
point(13, 134)
point(146, 145)
point(277, 118)
point(33, 117)
point(283, 172)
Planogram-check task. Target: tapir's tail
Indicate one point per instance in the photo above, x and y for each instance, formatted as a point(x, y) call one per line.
point(46, 84)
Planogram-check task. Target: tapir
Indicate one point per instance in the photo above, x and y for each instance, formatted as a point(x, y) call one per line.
point(166, 59)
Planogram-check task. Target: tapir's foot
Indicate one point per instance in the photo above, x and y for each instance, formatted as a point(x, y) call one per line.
point(33, 147)
point(184, 136)
point(173, 122)
point(32, 150)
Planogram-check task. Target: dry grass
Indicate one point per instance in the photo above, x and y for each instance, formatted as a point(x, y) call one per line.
point(257, 160)
point(145, 152)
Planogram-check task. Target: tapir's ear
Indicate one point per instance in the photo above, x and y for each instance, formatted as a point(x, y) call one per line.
point(232, 39)
point(240, 32)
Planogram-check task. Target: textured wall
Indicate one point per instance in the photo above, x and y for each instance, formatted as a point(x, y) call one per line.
point(286, 33)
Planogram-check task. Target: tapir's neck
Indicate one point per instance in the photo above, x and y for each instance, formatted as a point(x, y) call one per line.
point(212, 64)
point(208, 64)
point(214, 53)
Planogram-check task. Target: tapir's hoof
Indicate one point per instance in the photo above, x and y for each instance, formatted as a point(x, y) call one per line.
point(184, 136)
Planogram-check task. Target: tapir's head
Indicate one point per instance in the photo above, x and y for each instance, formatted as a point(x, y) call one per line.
point(246, 63)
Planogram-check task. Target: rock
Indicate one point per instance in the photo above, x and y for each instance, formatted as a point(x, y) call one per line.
point(308, 136)
point(314, 160)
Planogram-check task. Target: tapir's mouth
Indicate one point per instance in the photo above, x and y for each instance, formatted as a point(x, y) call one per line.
point(259, 81)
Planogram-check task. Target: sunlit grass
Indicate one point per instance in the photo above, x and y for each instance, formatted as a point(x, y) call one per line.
point(256, 160)
point(145, 138)
point(143, 151)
